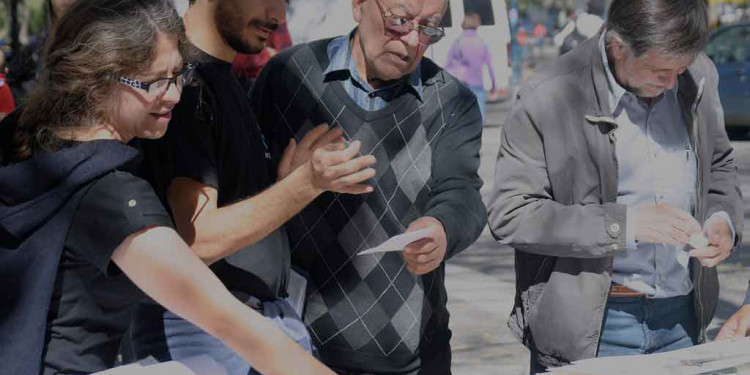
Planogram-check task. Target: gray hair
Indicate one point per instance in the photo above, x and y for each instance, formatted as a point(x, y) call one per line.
point(673, 27)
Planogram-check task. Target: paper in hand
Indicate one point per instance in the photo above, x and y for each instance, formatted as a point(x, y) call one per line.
point(398, 243)
point(697, 241)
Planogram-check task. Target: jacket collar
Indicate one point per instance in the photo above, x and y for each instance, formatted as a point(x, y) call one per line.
point(690, 85)
point(599, 100)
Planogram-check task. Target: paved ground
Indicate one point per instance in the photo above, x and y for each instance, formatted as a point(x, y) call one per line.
point(480, 281)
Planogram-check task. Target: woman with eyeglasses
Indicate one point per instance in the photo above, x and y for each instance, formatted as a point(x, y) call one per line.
point(81, 238)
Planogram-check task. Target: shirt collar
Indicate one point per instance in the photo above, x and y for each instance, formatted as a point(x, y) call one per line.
point(616, 92)
point(342, 66)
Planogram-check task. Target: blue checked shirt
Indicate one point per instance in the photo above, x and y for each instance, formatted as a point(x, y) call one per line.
point(656, 164)
point(343, 67)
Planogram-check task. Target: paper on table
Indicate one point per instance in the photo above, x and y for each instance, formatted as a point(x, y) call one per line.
point(726, 357)
point(200, 365)
point(397, 243)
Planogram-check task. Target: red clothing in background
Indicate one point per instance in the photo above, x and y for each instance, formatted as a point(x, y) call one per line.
point(7, 104)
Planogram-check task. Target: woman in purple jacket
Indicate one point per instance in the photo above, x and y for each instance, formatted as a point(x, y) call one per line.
point(468, 57)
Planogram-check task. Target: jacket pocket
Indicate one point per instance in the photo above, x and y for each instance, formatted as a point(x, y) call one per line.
point(563, 319)
point(532, 273)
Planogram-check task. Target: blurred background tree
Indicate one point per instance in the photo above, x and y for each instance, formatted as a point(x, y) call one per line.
point(31, 19)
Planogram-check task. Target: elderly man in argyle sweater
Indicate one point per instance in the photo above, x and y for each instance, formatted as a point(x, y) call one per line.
point(381, 313)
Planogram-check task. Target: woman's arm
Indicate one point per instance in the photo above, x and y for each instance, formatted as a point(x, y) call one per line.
point(215, 232)
point(159, 262)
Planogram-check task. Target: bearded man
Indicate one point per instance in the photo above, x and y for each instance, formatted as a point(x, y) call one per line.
point(212, 168)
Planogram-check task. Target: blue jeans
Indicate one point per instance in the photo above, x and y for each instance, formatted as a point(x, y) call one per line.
point(481, 99)
point(640, 325)
point(185, 340)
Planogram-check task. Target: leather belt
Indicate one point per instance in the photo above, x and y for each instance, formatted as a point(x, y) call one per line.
point(618, 290)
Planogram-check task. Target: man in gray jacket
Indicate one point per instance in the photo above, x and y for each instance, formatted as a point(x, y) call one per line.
point(613, 160)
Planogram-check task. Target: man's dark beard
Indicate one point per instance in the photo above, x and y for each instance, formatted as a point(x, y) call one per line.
point(237, 43)
point(231, 28)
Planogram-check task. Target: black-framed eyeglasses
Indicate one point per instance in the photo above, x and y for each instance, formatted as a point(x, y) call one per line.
point(160, 86)
point(399, 26)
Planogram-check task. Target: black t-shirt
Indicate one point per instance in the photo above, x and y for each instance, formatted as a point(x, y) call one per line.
point(213, 138)
point(92, 301)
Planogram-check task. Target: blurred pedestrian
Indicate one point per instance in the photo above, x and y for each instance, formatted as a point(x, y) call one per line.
point(467, 58)
point(522, 36)
point(539, 34)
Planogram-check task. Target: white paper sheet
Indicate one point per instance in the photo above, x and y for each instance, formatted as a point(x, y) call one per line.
point(200, 365)
point(397, 243)
point(727, 357)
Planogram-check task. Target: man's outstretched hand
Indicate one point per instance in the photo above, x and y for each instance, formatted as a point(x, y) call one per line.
point(737, 326)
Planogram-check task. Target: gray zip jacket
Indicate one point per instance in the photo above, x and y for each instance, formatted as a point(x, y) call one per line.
point(554, 198)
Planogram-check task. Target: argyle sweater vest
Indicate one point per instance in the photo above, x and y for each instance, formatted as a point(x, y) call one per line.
point(369, 313)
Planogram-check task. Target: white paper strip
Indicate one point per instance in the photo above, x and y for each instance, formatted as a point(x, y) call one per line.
point(398, 243)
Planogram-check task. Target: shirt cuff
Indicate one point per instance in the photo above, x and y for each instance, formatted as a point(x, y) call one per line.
point(630, 217)
point(725, 216)
point(747, 297)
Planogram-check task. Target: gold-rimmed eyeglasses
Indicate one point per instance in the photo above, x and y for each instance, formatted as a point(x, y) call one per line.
point(399, 26)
